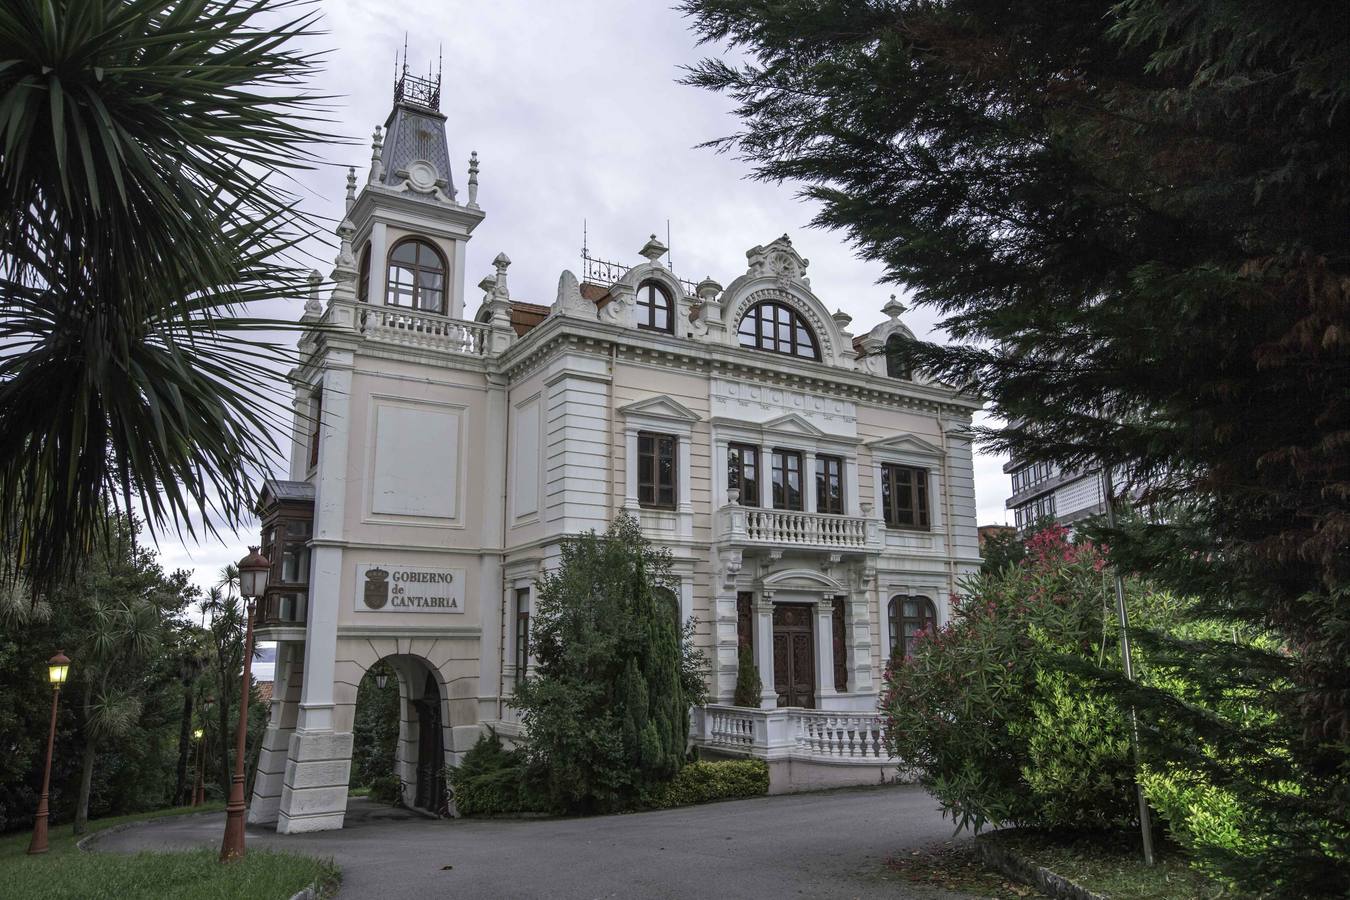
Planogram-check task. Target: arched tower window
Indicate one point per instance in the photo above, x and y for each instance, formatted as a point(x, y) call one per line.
point(897, 361)
point(778, 328)
point(655, 312)
point(416, 277)
point(908, 616)
point(363, 278)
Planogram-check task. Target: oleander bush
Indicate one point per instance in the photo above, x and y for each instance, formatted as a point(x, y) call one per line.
point(704, 782)
point(998, 730)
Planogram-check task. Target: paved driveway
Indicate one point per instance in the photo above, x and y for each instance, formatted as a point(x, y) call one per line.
point(806, 845)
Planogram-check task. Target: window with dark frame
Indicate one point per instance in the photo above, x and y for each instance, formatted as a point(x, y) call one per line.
point(656, 470)
point(908, 616)
point(522, 631)
point(316, 420)
point(787, 479)
point(743, 472)
point(897, 362)
point(904, 496)
point(655, 311)
point(830, 485)
point(777, 328)
point(363, 279)
point(416, 277)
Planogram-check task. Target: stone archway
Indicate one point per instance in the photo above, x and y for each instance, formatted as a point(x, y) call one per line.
point(420, 751)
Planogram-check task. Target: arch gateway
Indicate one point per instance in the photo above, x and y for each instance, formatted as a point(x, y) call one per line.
point(444, 445)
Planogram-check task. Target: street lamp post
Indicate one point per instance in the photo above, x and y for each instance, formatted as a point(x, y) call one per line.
point(197, 792)
point(253, 571)
point(58, 668)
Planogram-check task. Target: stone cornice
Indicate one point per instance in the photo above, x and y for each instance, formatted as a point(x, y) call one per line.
point(714, 359)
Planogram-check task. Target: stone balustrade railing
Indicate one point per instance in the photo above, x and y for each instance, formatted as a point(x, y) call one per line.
point(810, 734)
point(774, 527)
point(408, 328)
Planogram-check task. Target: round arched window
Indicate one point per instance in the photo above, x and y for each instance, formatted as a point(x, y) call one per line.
point(416, 277)
point(778, 328)
point(908, 616)
point(655, 311)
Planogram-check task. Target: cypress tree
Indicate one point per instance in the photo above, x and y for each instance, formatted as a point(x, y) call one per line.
point(748, 684)
point(1132, 217)
point(607, 708)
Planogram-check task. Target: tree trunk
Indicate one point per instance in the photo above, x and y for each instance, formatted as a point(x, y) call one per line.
point(86, 784)
point(180, 796)
point(226, 741)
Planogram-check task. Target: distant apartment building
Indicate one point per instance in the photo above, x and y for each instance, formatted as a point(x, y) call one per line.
point(1042, 490)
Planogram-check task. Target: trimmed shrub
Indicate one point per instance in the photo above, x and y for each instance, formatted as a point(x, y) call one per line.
point(384, 789)
point(492, 780)
point(703, 782)
point(748, 685)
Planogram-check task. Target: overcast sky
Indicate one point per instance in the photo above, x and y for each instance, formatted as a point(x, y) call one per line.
point(576, 115)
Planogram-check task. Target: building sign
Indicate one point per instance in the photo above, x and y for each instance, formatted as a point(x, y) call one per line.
point(398, 588)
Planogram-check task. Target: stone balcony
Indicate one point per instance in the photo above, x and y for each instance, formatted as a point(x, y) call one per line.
point(424, 331)
point(776, 528)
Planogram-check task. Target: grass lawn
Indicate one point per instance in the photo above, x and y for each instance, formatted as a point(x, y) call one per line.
point(1113, 865)
point(67, 872)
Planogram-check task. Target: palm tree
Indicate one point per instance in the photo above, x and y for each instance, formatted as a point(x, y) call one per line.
point(142, 143)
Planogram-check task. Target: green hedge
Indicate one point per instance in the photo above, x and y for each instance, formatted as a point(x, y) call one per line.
point(703, 782)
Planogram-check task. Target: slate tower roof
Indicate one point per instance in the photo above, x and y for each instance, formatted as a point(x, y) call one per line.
point(415, 147)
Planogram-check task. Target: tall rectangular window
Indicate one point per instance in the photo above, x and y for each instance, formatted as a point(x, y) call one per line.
point(743, 472)
point(787, 479)
point(904, 496)
point(316, 416)
point(656, 470)
point(830, 485)
point(522, 631)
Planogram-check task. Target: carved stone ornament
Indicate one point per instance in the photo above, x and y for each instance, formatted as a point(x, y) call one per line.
point(569, 301)
point(778, 259)
point(731, 567)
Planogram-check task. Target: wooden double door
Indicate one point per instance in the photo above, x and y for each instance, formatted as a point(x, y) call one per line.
point(794, 654)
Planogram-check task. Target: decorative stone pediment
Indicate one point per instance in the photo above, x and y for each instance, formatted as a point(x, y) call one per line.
point(793, 424)
point(779, 259)
point(802, 580)
point(907, 444)
point(661, 407)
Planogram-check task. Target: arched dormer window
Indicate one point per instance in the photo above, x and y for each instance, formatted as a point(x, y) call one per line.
point(908, 616)
point(363, 277)
point(778, 328)
point(655, 311)
point(897, 361)
point(416, 277)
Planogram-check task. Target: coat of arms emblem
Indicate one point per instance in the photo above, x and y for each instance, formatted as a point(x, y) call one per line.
point(376, 588)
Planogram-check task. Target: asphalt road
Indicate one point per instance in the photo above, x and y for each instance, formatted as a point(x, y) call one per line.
point(831, 844)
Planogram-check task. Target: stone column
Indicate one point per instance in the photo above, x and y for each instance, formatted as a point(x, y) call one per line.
point(269, 777)
point(314, 797)
point(763, 612)
point(825, 691)
point(809, 481)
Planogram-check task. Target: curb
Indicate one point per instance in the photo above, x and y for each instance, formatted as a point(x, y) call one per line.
point(1018, 867)
point(88, 841)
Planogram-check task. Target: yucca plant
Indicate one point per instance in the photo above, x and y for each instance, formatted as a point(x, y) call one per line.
point(143, 146)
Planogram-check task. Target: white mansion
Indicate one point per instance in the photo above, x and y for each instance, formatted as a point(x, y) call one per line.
point(817, 499)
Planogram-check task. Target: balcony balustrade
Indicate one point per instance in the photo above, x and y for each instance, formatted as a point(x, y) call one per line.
point(425, 331)
point(781, 528)
point(790, 733)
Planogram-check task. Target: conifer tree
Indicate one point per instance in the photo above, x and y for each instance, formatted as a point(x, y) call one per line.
point(748, 684)
point(1133, 217)
point(606, 708)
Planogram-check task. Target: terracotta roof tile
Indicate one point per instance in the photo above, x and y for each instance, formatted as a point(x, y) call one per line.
point(525, 316)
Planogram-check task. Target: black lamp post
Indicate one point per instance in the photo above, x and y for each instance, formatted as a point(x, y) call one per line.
point(58, 669)
point(253, 572)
